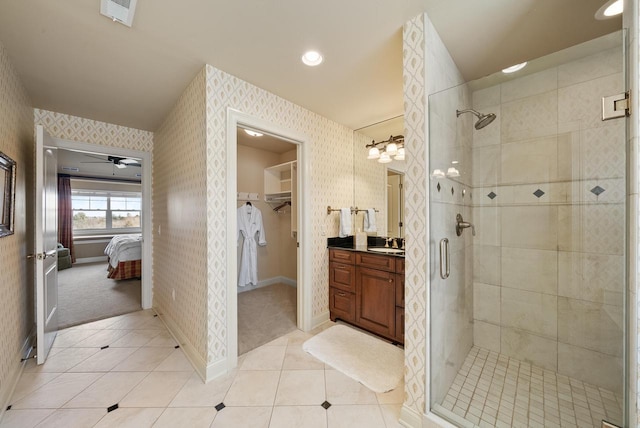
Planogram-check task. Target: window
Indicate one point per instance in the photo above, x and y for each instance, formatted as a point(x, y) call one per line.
point(103, 211)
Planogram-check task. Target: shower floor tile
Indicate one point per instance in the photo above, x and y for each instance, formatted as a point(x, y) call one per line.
point(492, 389)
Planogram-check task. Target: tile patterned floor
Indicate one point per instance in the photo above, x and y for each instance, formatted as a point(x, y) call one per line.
point(153, 385)
point(494, 390)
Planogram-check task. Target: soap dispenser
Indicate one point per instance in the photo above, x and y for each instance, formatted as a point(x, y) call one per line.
point(361, 240)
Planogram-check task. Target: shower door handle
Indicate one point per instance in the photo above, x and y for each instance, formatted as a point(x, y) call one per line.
point(444, 258)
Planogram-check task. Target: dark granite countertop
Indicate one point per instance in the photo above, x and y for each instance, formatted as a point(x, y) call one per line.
point(372, 242)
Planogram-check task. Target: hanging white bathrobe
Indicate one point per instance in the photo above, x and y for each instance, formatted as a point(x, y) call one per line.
point(249, 224)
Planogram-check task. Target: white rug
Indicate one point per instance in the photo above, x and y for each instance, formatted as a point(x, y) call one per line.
point(376, 364)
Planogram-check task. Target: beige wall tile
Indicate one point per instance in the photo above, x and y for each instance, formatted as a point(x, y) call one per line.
point(534, 161)
point(486, 264)
point(486, 335)
point(528, 311)
point(530, 227)
point(592, 67)
point(590, 366)
point(594, 326)
point(486, 166)
point(529, 347)
point(487, 223)
point(527, 86)
point(532, 270)
point(530, 117)
point(591, 277)
point(486, 302)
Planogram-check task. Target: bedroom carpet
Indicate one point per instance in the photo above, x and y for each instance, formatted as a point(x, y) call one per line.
point(85, 294)
point(376, 364)
point(265, 314)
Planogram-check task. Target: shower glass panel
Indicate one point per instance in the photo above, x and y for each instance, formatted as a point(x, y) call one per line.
point(527, 295)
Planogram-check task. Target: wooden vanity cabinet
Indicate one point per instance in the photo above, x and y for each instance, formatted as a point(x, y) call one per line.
point(367, 290)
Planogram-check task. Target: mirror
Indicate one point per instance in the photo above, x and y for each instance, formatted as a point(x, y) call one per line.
point(377, 185)
point(8, 186)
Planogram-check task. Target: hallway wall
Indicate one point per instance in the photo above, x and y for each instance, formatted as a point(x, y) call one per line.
point(16, 273)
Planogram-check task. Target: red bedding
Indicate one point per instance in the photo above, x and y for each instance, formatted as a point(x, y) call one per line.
point(126, 270)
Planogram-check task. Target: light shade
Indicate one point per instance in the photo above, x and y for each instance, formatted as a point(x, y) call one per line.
point(452, 172)
point(384, 158)
point(374, 153)
point(437, 173)
point(514, 68)
point(392, 149)
point(400, 155)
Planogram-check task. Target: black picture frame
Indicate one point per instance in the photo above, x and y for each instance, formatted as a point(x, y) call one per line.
point(8, 197)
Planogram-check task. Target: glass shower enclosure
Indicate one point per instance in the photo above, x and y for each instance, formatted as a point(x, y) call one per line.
point(527, 227)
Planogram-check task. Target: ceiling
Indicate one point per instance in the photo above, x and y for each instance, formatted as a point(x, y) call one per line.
point(95, 165)
point(73, 60)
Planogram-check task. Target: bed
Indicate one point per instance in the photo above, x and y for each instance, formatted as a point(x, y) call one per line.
point(124, 253)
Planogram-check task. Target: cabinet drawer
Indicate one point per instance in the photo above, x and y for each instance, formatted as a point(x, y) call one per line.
point(400, 290)
point(400, 325)
point(374, 261)
point(342, 256)
point(342, 276)
point(342, 305)
point(400, 265)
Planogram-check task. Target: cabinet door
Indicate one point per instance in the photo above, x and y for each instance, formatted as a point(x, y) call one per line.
point(400, 325)
point(400, 290)
point(342, 276)
point(375, 306)
point(342, 305)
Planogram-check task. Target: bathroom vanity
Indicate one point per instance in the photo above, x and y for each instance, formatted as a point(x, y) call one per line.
point(366, 289)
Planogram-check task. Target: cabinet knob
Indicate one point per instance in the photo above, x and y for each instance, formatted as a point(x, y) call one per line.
point(341, 294)
point(390, 279)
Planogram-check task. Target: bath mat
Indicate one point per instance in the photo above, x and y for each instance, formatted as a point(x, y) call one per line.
point(376, 364)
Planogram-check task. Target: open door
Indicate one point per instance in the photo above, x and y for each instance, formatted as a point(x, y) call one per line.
point(46, 237)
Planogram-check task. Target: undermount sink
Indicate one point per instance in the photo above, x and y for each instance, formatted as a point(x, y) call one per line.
point(386, 250)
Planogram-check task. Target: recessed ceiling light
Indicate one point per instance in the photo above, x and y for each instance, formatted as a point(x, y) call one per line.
point(610, 9)
point(514, 68)
point(312, 58)
point(253, 133)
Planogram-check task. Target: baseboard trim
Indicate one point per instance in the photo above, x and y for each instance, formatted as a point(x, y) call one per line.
point(319, 320)
point(269, 281)
point(217, 369)
point(91, 260)
point(409, 417)
point(198, 363)
point(12, 381)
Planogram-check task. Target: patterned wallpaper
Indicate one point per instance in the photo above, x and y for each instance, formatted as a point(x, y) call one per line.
point(416, 206)
point(75, 128)
point(16, 295)
point(179, 208)
point(331, 183)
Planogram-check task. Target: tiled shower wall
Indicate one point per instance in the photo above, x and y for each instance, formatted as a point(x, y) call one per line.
point(549, 191)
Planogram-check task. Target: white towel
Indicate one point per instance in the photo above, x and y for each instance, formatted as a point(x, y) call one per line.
point(345, 222)
point(370, 220)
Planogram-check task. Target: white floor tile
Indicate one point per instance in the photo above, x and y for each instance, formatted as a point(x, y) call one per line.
point(135, 338)
point(156, 390)
point(175, 362)
point(253, 388)
point(62, 361)
point(24, 418)
point(301, 387)
point(108, 390)
point(341, 389)
point(186, 417)
point(143, 359)
point(57, 392)
point(73, 418)
point(356, 416)
point(264, 358)
point(30, 382)
point(245, 417)
point(103, 360)
point(130, 418)
point(196, 393)
point(298, 416)
point(101, 338)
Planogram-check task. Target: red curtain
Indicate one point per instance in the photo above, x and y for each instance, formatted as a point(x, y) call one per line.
point(65, 215)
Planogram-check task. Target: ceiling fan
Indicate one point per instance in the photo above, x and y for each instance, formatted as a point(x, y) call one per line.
point(118, 162)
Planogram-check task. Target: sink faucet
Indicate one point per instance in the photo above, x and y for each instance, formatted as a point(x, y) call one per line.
point(402, 244)
point(386, 242)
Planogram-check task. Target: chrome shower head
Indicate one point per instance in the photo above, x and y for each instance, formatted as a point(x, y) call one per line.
point(483, 119)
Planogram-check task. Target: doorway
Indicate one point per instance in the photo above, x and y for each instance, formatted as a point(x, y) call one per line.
point(267, 231)
point(100, 208)
point(301, 213)
point(87, 152)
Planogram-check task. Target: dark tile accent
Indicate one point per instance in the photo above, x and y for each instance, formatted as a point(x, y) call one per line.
point(538, 193)
point(597, 190)
point(112, 408)
point(220, 407)
point(155, 315)
point(9, 407)
point(177, 346)
point(438, 187)
point(105, 347)
point(492, 195)
point(326, 405)
point(452, 190)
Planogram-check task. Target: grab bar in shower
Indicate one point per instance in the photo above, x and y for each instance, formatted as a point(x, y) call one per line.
point(445, 268)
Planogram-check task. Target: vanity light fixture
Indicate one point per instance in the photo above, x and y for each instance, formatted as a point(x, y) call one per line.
point(312, 58)
point(514, 68)
point(253, 133)
point(452, 172)
point(610, 9)
point(384, 150)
